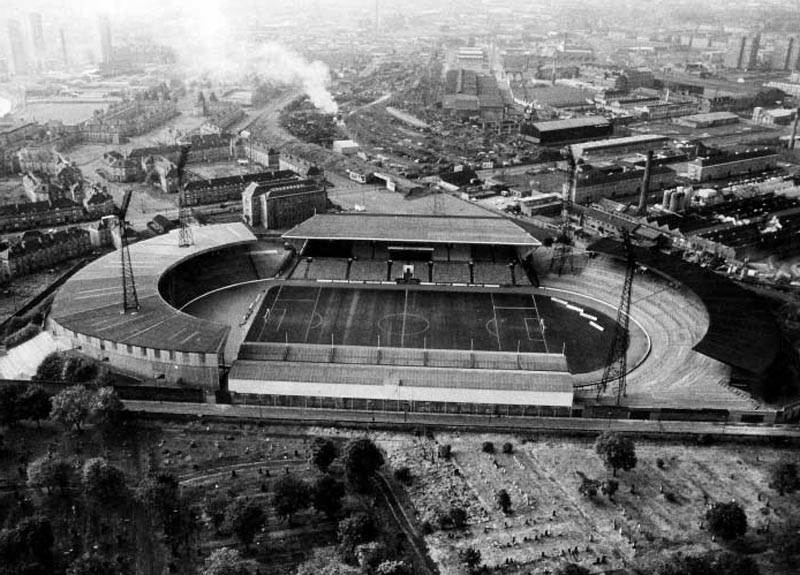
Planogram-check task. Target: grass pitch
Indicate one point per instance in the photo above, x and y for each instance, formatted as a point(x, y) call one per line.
point(413, 318)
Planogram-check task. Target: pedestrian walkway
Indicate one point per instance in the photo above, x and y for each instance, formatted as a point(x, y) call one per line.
point(300, 416)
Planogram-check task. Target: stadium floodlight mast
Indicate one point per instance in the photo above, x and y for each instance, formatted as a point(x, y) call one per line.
point(617, 361)
point(184, 212)
point(130, 299)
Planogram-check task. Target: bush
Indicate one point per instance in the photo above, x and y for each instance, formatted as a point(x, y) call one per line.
point(427, 527)
point(727, 520)
point(458, 517)
point(28, 332)
point(660, 463)
point(445, 451)
point(487, 447)
point(403, 475)
point(508, 448)
point(784, 477)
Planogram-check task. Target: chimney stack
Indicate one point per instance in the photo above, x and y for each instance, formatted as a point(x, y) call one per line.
point(794, 128)
point(645, 184)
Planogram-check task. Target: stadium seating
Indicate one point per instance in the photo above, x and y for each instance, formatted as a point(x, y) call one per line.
point(675, 319)
point(451, 272)
point(497, 273)
point(365, 270)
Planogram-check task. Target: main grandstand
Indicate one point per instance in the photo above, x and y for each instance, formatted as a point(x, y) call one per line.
point(414, 313)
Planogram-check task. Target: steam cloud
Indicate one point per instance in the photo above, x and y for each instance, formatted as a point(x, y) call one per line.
point(275, 62)
point(212, 45)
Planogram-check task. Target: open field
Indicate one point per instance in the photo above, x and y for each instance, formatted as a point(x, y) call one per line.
point(410, 318)
point(550, 517)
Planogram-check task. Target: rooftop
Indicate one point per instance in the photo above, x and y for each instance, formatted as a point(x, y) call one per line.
point(571, 123)
point(90, 301)
point(413, 228)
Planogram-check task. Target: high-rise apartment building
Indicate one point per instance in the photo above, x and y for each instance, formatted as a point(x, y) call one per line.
point(105, 40)
point(787, 54)
point(743, 52)
point(37, 38)
point(19, 60)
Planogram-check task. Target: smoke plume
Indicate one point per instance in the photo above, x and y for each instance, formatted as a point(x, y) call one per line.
point(211, 44)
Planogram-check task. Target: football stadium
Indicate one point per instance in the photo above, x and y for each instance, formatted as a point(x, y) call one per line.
point(410, 313)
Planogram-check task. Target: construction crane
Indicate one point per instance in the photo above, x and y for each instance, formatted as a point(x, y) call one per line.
point(130, 300)
point(184, 212)
point(617, 360)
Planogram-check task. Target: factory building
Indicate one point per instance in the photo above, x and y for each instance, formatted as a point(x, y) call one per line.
point(595, 183)
point(727, 164)
point(559, 132)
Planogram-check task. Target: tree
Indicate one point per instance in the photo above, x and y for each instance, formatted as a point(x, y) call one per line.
point(609, 487)
point(355, 530)
point(244, 518)
point(214, 506)
point(92, 564)
point(107, 406)
point(71, 406)
point(290, 496)
point(50, 472)
point(588, 487)
point(572, 569)
point(508, 448)
point(393, 568)
point(225, 561)
point(324, 562)
point(783, 477)
point(78, 370)
point(36, 404)
point(458, 517)
point(103, 483)
point(323, 452)
point(370, 555)
point(10, 405)
point(617, 451)
point(28, 547)
point(51, 368)
point(471, 557)
point(503, 501)
point(487, 447)
point(727, 520)
point(727, 563)
point(326, 495)
point(716, 562)
point(362, 459)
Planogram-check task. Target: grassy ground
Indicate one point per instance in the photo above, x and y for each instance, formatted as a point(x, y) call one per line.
point(436, 320)
point(549, 517)
point(21, 289)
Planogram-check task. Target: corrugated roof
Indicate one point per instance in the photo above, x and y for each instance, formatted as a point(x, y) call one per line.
point(444, 380)
point(90, 302)
point(582, 122)
point(412, 228)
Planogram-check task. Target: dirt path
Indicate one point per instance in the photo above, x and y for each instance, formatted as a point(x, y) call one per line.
point(406, 525)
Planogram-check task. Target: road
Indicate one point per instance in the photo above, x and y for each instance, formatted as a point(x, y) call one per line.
point(301, 416)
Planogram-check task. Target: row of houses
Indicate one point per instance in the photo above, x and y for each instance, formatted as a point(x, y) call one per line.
point(126, 119)
point(34, 250)
point(56, 212)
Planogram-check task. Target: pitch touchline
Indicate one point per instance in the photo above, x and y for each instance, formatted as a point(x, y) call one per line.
point(269, 311)
point(313, 312)
point(496, 323)
point(403, 330)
